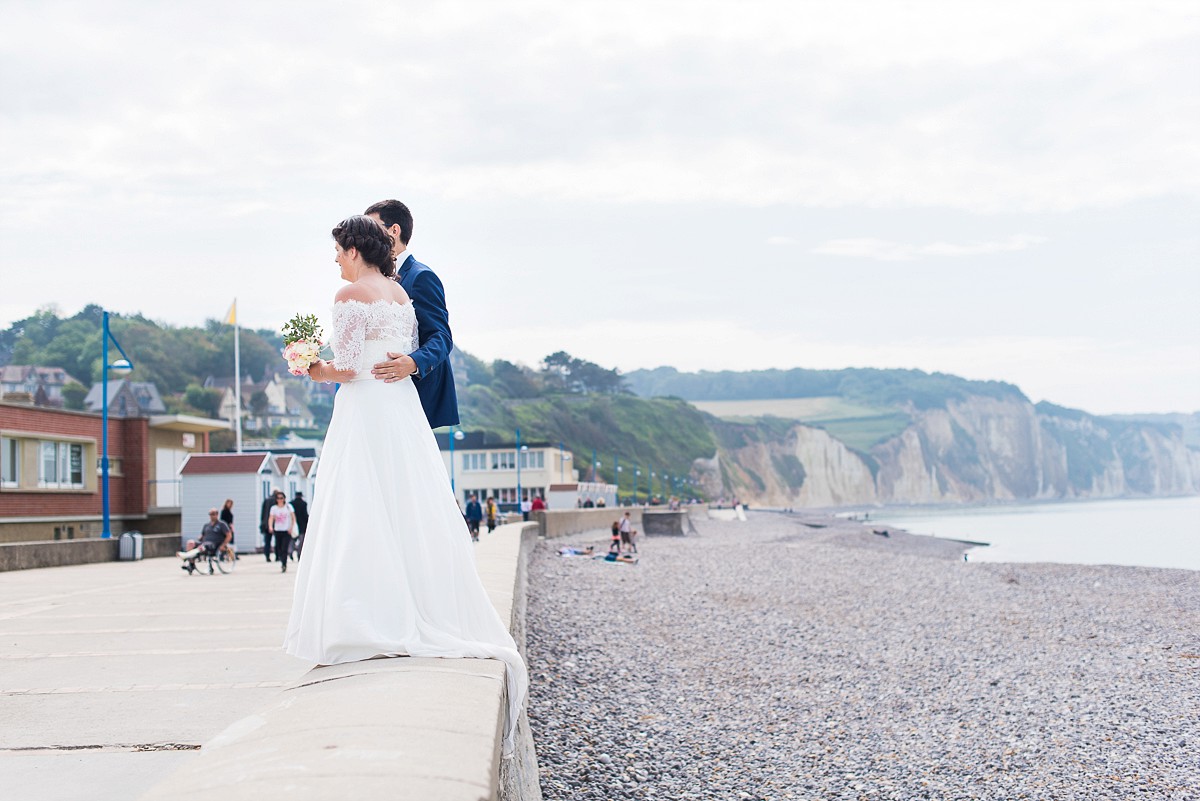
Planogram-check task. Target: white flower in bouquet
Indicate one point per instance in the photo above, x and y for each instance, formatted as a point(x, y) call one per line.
point(301, 343)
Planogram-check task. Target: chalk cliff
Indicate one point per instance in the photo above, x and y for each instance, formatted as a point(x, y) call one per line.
point(974, 449)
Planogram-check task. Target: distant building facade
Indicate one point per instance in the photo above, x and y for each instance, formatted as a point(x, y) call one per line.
point(286, 403)
point(489, 469)
point(50, 471)
point(42, 385)
point(126, 398)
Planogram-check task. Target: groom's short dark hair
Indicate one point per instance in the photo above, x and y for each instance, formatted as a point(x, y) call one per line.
point(393, 212)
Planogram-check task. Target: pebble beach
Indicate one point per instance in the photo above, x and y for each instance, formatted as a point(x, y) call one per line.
point(801, 657)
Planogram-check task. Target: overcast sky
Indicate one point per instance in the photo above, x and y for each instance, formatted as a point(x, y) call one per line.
point(1003, 191)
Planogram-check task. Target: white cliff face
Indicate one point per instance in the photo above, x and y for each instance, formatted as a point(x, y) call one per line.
point(834, 474)
point(975, 450)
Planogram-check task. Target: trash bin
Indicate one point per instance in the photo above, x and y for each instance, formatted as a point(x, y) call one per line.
point(129, 547)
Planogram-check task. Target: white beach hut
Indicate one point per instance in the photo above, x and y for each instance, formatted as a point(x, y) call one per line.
point(207, 479)
point(308, 470)
point(288, 475)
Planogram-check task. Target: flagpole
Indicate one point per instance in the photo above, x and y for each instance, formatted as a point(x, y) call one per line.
point(237, 378)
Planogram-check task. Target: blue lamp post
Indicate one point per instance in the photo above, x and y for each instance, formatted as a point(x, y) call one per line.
point(520, 448)
point(617, 476)
point(454, 435)
point(637, 474)
point(121, 367)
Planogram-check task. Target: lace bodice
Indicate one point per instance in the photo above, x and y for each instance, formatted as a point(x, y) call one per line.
point(392, 325)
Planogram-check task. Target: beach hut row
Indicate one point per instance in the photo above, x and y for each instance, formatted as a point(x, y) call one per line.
point(208, 479)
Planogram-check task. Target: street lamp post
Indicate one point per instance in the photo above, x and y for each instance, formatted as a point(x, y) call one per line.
point(454, 435)
point(637, 474)
point(617, 476)
point(520, 448)
point(121, 367)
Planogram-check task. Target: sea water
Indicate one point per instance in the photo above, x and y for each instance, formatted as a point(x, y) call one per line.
point(1157, 532)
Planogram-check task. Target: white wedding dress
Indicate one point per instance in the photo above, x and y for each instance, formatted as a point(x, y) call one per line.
point(388, 565)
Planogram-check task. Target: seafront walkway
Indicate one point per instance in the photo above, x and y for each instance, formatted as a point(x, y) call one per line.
point(113, 675)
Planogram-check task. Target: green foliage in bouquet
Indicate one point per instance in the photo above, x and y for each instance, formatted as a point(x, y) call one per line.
point(301, 327)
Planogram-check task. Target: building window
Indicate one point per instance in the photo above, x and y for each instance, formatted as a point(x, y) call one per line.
point(474, 461)
point(114, 467)
point(61, 465)
point(504, 460)
point(10, 460)
point(533, 459)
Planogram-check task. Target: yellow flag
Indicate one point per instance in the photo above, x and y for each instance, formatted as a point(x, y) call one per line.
point(231, 318)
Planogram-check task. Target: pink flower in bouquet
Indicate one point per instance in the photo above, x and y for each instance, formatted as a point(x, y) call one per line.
point(302, 343)
point(301, 355)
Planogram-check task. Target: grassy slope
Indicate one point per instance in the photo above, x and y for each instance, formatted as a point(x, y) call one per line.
point(665, 434)
point(858, 425)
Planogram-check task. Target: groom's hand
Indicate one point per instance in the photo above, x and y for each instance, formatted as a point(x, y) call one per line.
point(398, 367)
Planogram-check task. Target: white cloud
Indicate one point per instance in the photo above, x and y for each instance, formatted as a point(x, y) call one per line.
point(884, 250)
point(1027, 106)
point(200, 151)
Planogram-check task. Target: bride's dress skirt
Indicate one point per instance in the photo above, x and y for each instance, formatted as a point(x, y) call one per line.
point(388, 565)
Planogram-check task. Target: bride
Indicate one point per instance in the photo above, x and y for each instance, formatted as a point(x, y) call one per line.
point(388, 567)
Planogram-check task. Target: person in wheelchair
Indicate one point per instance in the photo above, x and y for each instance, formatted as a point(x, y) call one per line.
point(214, 537)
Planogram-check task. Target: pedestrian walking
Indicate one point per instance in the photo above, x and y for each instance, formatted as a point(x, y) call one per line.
point(474, 516)
point(491, 512)
point(300, 507)
point(264, 522)
point(227, 519)
point(283, 523)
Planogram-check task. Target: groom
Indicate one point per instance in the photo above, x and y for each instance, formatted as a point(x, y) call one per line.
point(429, 364)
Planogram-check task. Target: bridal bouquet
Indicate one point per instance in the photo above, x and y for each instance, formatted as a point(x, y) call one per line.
point(301, 343)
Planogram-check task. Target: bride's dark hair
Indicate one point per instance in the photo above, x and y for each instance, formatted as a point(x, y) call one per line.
point(373, 243)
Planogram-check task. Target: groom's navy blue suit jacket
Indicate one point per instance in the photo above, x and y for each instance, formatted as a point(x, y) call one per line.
point(434, 379)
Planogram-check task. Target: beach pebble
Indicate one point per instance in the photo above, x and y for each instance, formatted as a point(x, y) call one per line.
point(771, 660)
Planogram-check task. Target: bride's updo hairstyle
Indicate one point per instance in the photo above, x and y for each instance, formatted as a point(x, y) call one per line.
point(373, 243)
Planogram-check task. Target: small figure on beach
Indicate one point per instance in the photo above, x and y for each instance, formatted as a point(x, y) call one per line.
point(627, 534)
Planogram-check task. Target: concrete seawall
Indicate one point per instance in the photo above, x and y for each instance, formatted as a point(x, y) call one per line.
point(88, 550)
point(577, 521)
point(405, 728)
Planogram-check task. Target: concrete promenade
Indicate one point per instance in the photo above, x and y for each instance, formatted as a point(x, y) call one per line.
point(112, 674)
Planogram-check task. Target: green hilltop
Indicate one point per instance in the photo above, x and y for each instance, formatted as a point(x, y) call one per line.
point(661, 420)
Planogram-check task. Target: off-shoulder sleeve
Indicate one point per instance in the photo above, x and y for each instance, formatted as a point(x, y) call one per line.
point(349, 333)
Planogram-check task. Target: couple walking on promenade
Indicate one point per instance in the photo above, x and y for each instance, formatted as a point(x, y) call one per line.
point(387, 571)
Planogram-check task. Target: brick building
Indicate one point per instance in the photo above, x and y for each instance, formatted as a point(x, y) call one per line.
point(50, 471)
